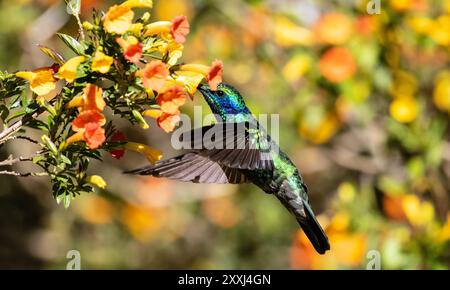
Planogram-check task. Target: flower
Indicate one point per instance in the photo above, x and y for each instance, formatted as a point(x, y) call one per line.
point(441, 92)
point(152, 113)
point(337, 65)
point(333, 28)
point(171, 99)
point(101, 62)
point(318, 128)
point(150, 153)
point(118, 19)
point(132, 49)
point(88, 128)
point(96, 210)
point(168, 122)
point(288, 33)
point(117, 137)
point(138, 3)
point(213, 74)
point(178, 28)
point(68, 71)
point(154, 75)
point(189, 80)
point(92, 99)
point(42, 81)
point(136, 28)
point(96, 180)
point(404, 109)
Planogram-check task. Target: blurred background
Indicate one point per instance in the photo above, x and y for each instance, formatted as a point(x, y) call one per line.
point(364, 103)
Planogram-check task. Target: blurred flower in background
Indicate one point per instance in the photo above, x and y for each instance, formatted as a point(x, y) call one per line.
point(364, 103)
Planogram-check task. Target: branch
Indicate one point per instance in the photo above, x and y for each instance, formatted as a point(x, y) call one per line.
point(17, 125)
point(13, 173)
point(10, 161)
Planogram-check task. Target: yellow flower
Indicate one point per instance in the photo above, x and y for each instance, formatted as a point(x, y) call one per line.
point(96, 210)
point(441, 30)
point(404, 109)
point(441, 93)
point(69, 70)
point(101, 62)
point(87, 25)
point(319, 130)
point(152, 113)
point(138, 3)
point(190, 80)
point(400, 5)
point(118, 19)
point(42, 81)
point(150, 153)
point(418, 213)
point(296, 67)
point(136, 28)
point(421, 24)
point(96, 180)
point(287, 33)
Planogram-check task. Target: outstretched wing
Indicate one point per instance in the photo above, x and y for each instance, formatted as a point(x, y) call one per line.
point(243, 145)
point(194, 168)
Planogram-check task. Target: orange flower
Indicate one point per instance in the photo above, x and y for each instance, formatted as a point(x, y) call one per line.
point(179, 29)
point(168, 122)
point(213, 74)
point(132, 49)
point(92, 99)
point(171, 100)
point(88, 126)
point(337, 65)
point(333, 28)
point(118, 19)
point(154, 75)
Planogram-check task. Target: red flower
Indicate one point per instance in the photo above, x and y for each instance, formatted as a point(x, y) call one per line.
point(179, 29)
point(132, 49)
point(117, 137)
point(214, 76)
point(94, 135)
point(171, 99)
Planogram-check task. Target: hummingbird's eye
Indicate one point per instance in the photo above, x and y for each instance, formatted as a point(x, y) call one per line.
point(220, 93)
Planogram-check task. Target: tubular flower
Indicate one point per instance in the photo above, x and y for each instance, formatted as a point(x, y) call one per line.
point(189, 80)
point(118, 19)
point(138, 3)
point(213, 74)
point(101, 62)
point(88, 128)
point(152, 113)
point(334, 28)
point(97, 180)
point(68, 71)
point(132, 49)
point(92, 99)
point(154, 75)
point(168, 122)
point(404, 109)
point(171, 100)
point(178, 28)
point(150, 153)
point(42, 81)
point(117, 137)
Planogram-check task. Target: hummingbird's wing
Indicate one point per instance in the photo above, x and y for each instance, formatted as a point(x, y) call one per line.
point(243, 145)
point(194, 168)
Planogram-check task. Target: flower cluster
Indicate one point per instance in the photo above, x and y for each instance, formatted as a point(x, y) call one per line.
point(124, 63)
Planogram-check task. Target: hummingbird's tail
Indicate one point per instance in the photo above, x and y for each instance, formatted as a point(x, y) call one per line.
point(313, 230)
point(305, 217)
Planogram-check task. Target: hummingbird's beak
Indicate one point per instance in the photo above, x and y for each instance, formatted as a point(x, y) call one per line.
point(202, 88)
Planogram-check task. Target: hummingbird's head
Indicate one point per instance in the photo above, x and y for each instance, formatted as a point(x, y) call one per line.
point(226, 100)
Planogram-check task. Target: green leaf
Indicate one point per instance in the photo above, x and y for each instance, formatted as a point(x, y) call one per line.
point(67, 200)
point(52, 54)
point(4, 112)
point(73, 6)
point(72, 43)
point(66, 160)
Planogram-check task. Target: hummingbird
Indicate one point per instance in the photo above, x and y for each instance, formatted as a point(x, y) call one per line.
point(239, 150)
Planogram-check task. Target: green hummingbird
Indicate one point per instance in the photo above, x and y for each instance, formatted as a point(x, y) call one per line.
point(239, 150)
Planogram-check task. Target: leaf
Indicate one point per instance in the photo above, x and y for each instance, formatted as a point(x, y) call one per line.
point(4, 112)
point(52, 54)
point(66, 160)
point(67, 200)
point(72, 43)
point(73, 6)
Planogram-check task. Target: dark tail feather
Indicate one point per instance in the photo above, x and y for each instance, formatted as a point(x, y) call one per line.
point(313, 230)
